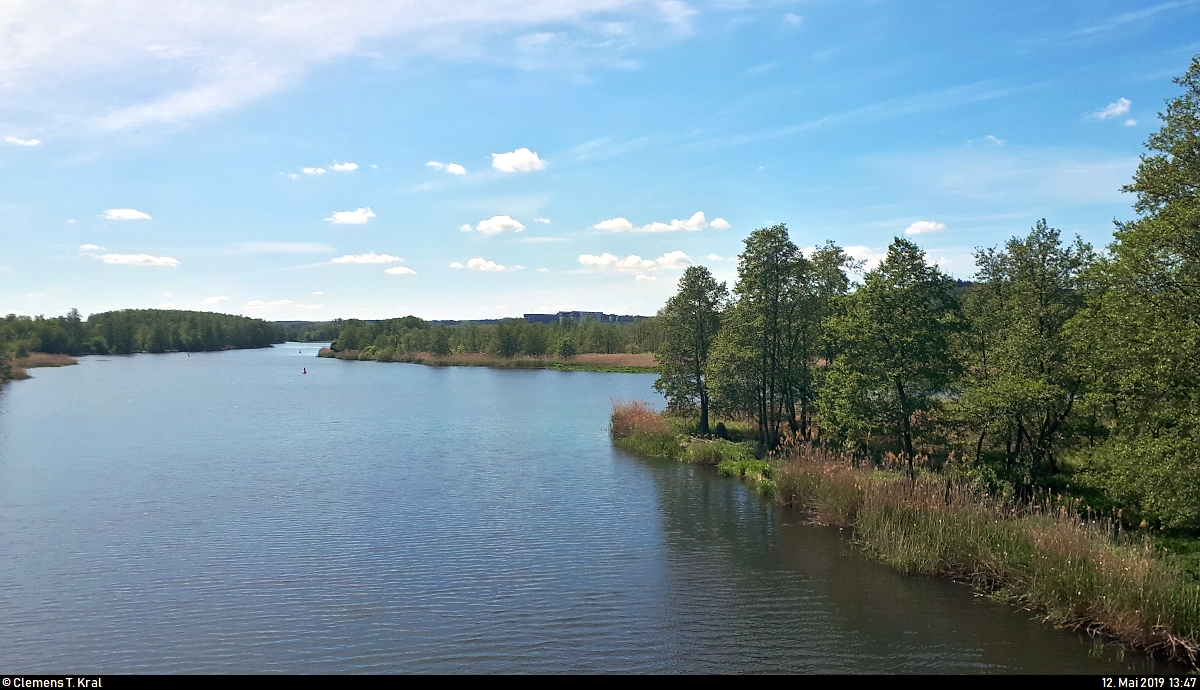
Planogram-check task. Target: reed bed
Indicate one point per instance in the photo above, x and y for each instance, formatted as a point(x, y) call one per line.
point(637, 427)
point(1077, 569)
point(42, 359)
point(17, 371)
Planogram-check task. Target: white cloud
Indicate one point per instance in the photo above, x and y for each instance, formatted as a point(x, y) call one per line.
point(541, 220)
point(216, 300)
point(138, 260)
point(543, 270)
point(1112, 110)
point(452, 168)
point(70, 220)
point(872, 257)
point(22, 142)
point(357, 217)
point(645, 278)
point(368, 258)
point(84, 61)
point(675, 259)
point(1130, 122)
point(606, 260)
point(345, 167)
point(633, 262)
point(89, 247)
point(308, 307)
point(313, 171)
point(521, 160)
point(713, 257)
point(922, 227)
point(994, 140)
point(399, 271)
point(481, 264)
point(283, 248)
point(496, 225)
point(696, 222)
point(318, 292)
point(259, 304)
point(793, 19)
point(614, 225)
point(125, 214)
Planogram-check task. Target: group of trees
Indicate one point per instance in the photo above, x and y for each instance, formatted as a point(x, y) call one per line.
point(132, 330)
point(1055, 350)
point(507, 338)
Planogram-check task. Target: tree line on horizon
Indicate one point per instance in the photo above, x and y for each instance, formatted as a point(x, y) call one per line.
point(391, 338)
point(1057, 354)
point(129, 331)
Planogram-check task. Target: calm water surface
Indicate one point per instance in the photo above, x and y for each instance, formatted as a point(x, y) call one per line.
point(223, 513)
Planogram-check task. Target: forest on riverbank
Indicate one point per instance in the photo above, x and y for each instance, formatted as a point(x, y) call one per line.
point(126, 332)
point(1037, 435)
point(1059, 357)
point(400, 340)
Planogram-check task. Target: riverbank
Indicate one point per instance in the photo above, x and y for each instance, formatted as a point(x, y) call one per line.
point(618, 363)
point(37, 359)
point(1077, 570)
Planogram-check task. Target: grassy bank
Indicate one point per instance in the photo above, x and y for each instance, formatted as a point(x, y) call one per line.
point(638, 428)
point(38, 359)
point(1076, 569)
point(630, 364)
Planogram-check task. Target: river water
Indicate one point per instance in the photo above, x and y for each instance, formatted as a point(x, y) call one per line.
point(225, 513)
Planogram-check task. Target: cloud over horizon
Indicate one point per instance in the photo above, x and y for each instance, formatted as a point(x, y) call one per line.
point(693, 224)
point(138, 260)
point(1112, 110)
point(452, 168)
point(357, 217)
point(922, 227)
point(368, 258)
point(633, 262)
point(521, 160)
point(125, 214)
point(481, 264)
point(495, 225)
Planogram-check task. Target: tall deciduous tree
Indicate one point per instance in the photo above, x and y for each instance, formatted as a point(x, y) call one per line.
point(895, 347)
point(690, 321)
point(1023, 373)
point(1142, 325)
point(752, 345)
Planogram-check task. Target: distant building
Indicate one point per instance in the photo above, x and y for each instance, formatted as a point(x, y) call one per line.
point(597, 316)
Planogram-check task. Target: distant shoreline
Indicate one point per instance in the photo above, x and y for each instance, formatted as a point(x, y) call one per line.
point(613, 363)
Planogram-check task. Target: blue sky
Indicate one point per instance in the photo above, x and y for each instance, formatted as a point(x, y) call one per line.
point(484, 159)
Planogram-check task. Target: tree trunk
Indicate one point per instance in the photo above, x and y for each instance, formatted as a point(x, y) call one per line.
point(906, 422)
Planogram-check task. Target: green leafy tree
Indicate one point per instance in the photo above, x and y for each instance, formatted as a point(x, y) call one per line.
point(1141, 326)
point(1024, 375)
point(894, 340)
point(690, 322)
point(753, 343)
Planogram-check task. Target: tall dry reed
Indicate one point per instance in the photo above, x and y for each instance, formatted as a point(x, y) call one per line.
point(636, 426)
point(1079, 570)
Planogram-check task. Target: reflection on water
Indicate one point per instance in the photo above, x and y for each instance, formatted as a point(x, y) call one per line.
point(225, 513)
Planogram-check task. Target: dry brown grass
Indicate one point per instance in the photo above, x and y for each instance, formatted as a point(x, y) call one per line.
point(644, 360)
point(42, 359)
point(1079, 570)
point(631, 417)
